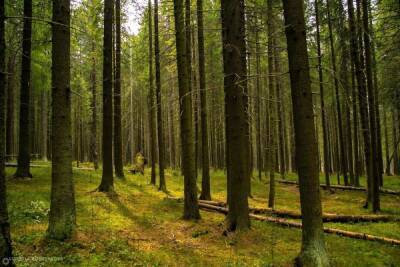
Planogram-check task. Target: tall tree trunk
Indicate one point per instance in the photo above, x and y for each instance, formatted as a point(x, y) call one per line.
point(280, 111)
point(358, 58)
point(205, 181)
point(395, 137)
point(44, 125)
point(118, 164)
point(376, 178)
point(236, 118)
point(11, 69)
point(152, 115)
point(107, 180)
point(160, 130)
point(258, 102)
point(355, 127)
point(191, 207)
point(24, 153)
point(343, 160)
point(62, 216)
point(272, 106)
point(313, 252)
point(387, 152)
point(93, 106)
point(5, 236)
point(322, 99)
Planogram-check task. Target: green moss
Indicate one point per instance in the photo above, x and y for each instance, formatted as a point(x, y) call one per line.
point(141, 226)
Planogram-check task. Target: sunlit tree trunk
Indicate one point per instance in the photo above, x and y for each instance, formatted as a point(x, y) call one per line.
point(62, 217)
point(313, 252)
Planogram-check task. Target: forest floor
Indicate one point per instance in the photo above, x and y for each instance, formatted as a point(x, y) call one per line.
point(140, 226)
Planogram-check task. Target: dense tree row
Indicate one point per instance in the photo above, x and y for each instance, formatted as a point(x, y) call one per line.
point(252, 87)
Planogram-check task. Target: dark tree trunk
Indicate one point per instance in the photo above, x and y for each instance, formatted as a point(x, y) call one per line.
point(343, 159)
point(152, 115)
point(160, 129)
point(93, 106)
point(191, 207)
point(118, 164)
point(5, 237)
point(62, 207)
point(322, 99)
point(236, 124)
point(205, 181)
point(23, 169)
point(358, 59)
point(272, 106)
point(313, 252)
point(11, 69)
point(107, 180)
point(376, 178)
point(355, 127)
point(387, 152)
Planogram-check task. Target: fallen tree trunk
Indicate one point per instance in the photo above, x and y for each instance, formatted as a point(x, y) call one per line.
point(286, 223)
point(342, 187)
point(326, 217)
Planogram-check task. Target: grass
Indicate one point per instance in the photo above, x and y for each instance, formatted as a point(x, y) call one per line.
point(142, 227)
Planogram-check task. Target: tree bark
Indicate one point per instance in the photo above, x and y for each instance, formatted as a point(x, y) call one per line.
point(160, 130)
point(152, 115)
point(322, 98)
point(191, 208)
point(313, 252)
point(236, 118)
point(272, 106)
point(5, 236)
point(343, 160)
point(11, 69)
point(93, 106)
point(62, 217)
point(376, 178)
point(107, 180)
point(24, 151)
point(205, 181)
point(118, 164)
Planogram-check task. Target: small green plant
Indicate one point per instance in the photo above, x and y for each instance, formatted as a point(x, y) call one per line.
point(37, 210)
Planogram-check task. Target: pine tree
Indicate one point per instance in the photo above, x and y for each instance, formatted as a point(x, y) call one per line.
point(62, 207)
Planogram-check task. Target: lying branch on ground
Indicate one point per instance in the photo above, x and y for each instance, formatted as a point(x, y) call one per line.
point(287, 223)
point(342, 187)
point(326, 217)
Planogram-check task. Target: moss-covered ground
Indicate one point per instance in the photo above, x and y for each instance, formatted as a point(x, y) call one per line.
point(140, 226)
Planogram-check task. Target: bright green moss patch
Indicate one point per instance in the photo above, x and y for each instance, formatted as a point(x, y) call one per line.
point(141, 226)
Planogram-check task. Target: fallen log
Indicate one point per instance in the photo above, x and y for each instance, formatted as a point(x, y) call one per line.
point(287, 223)
point(342, 187)
point(15, 165)
point(326, 217)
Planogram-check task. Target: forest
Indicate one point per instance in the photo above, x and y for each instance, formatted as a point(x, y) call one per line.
point(200, 133)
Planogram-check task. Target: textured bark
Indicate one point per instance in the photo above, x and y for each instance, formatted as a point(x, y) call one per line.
point(355, 127)
point(272, 106)
point(258, 103)
point(322, 98)
point(343, 158)
point(191, 208)
point(24, 152)
point(160, 130)
point(205, 181)
point(313, 252)
point(377, 174)
point(152, 115)
point(236, 119)
point(5, 237)
point(93, 106)
point(358, 58)
point(118, 164)
point(62, 216)
point(107, 180)
point(11, 69)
